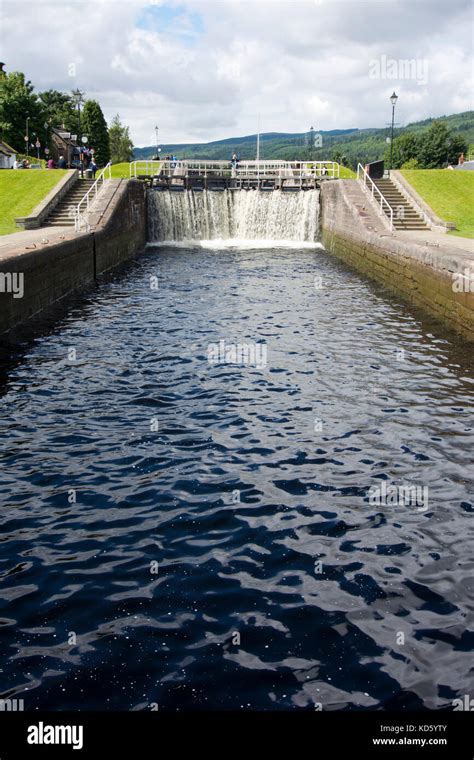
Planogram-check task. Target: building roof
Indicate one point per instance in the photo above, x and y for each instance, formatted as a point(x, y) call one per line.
point(64, 135)
point(6, 149)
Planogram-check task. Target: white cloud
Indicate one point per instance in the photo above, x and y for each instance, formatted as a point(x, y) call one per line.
point(205, 69)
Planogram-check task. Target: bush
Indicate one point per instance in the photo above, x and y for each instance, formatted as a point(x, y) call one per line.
point(411, 164)
point(31, 159)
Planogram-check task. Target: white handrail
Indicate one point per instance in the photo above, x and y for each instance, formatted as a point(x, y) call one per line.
point(363, 175)
point(261, 169)
point(79, 217)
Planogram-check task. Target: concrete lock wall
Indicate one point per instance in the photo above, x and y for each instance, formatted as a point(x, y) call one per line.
point(48, 275)
point(71, 265)
point(122, 230)
point(421, 274)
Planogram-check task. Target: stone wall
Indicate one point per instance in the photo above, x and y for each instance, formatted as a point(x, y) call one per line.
point(122, 230)
point(48, 274)
point(422, 274)
point(53, 270)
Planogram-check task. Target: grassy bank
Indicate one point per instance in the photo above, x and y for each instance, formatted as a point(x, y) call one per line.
point(346, 173)
point(21, 190)
point(120, 171)
point(449, 193)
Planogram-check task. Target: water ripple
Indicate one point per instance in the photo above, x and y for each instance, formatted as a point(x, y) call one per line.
point(201, 536)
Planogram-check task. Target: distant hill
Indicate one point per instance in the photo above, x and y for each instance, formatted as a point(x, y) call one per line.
point(355, 144)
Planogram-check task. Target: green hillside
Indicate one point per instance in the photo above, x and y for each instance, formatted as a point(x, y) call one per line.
point(355, 144)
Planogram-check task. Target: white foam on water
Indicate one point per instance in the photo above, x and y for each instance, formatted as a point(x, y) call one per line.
point(240, 243)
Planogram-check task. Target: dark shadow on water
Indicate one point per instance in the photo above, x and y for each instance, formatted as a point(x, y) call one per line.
point(18, 341)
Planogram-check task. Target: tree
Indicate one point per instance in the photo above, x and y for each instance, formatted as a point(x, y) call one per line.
point(338, 156)
point(405, 148)
point(457, 144)
point(58, 109)
point(93, 125)
point(17, 102)
point(121, 146)
point(412, 163)
point(440, 147)
point(434, 146)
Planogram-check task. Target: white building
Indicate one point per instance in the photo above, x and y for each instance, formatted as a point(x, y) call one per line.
point(7, 156)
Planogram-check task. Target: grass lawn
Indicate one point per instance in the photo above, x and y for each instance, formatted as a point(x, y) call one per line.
point(119, 171)
point(449, 193)
point(345, 173)
point(21, 190)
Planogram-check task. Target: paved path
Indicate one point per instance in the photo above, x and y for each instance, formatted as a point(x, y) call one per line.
point(29, 240)
point(24, 241)
point(429, 237)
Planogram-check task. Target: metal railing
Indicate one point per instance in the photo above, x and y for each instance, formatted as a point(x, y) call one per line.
point(148, 168)
point(242, 169)
point(91, 195)
point(374, 192)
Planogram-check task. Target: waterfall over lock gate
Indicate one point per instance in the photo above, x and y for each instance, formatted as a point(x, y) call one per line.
point(190, 215)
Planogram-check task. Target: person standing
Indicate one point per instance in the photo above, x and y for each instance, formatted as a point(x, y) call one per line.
point(92, 167)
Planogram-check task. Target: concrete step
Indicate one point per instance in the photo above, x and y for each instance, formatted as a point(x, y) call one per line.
point(411, 219)
point(410, 226)
point(407, 212)
point(414, 222)
point(60, 215)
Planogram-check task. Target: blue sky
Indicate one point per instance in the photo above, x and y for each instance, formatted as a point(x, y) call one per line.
point(175, 20)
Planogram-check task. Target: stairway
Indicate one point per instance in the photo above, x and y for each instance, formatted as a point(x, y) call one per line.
point(404, 215)
point(61, 215)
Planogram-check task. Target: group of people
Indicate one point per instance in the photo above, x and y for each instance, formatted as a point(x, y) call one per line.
point(171, 158)
point(88, 163)
point(234, 162)
point(23, 164)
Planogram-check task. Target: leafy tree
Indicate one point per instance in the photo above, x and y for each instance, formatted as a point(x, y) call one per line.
point(457, 144)
point(121, 146)
point(338, 156)
point(93, 125)
point(434, 146)
point(58, 109)
point(17, 102)
point(405, 147)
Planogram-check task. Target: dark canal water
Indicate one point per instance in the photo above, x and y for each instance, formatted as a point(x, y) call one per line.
point(197, 535)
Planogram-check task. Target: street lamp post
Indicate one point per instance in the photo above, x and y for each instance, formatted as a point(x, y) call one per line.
point(393, 101)
point(157, 143)
point(311, 143)
point(45, 125)
point(78, 98)
point(27, 137)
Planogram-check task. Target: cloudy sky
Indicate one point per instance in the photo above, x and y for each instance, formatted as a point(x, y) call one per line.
point(209, 69)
